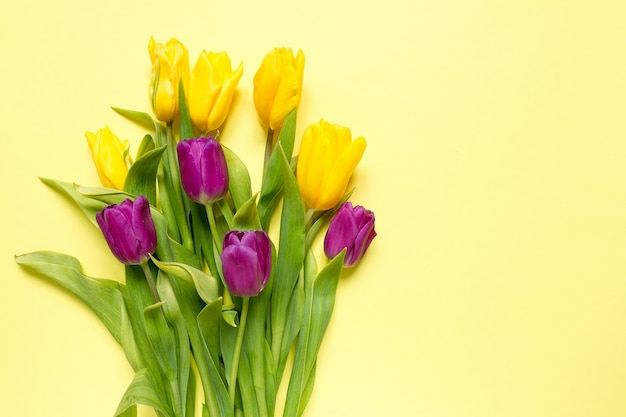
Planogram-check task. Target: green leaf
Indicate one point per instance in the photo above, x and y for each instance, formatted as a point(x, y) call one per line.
point(320, 301)
point(287, 135)
point(141, 179)
point(239, 185)
point(146, 145)
point(89, 206)
point(191, 396)
point(247, 389)
point(141, 118)
point(202, 237)
point(186, 127)
point(247, 216)
point(161, 339)
point(174, 317)
point(137, 297)
point(273, 180)
point(324, 291)
point(271, 383)
point(168, 249)
point(308, 390)
point(129, 342)
point(206, 285)
point(230, 317)
point(103, 194)
point(209, 323)
point(289, 263)
point(102, 296)
point(143, 390)
point(129, 412)
point(256, 376)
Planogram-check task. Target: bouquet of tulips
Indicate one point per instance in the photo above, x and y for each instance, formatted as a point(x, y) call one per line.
point(208, 294)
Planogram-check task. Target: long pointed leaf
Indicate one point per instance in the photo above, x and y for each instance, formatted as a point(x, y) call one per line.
point(206, 285)
point(102, 296)
point(288, 265)
point(320, 293)
point(273, 181)
point(142, 390)
point(88, 205)
point(141, 179)
point(143, 119)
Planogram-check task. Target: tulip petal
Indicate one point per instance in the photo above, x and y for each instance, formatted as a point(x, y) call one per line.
point(143, 226)
point(203, 169)
point(246, 261)
point(341, 231)
point(108, 153)
point(129, 230)
point(223, 101)
point(337, 177)
point(278, 86)
point(352, 228)
point(241, 270)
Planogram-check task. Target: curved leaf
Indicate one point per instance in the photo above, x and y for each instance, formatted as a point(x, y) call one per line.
point(273, 180)
point(143, 390)
point(141, 179)
point(89, 206)
point(139, 117)
point(239, 185)
point(206, 285)
point(102, 296)
point(288, 265)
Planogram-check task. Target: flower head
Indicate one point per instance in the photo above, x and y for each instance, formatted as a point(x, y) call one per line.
point(170, 64)
point(352, 229)
point(129, 230)
point(211, 90)
point(278, 86)
point(109, 155)
point(327, 158)
point(246, 261)
point(203, 169)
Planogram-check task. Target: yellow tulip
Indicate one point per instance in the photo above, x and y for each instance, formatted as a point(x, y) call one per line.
point(211, 90)
point(328, 156)
point(278, 86)
point(109, 155)
point(170, 63)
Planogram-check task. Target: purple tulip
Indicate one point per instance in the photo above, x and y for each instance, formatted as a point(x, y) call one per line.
point(352, 229)
point(246, 261)
point(129, 230)
point(203, 169)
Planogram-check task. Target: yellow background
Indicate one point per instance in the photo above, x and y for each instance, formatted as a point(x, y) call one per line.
point(496, 165)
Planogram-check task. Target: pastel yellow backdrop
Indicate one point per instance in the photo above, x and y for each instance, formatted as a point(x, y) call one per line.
point(496, 167)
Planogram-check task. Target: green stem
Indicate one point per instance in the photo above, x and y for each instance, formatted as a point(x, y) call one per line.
point(151, 283)
point(178, 404)
point(217, 242)
point(269, 142)
point(237, 352)
point(166, 205)
point(174, 176)
point(308, 219)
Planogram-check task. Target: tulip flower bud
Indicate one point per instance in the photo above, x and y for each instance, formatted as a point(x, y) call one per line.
point(278, 86)
point(327, 158)
point(109, 155)
point(211, 90)
point(352, 229)
point(129, 230)
point(170, 63)
point(203, 169)
point(246, 261)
